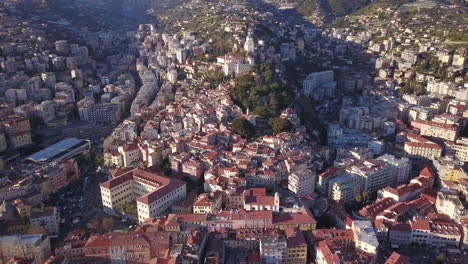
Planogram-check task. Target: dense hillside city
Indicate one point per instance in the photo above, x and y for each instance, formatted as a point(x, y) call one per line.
point(233, 131)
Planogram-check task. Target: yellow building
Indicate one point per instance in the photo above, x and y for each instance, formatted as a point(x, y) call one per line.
point(297, 247)
point(456, 174)
point(302, 220)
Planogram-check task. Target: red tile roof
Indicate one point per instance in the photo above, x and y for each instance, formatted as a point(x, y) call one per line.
point(427, 172)
point(377, 207)
point(420, 224)
point(423, 145)
point(293, 219)
point(163, 184)
point(396, 258)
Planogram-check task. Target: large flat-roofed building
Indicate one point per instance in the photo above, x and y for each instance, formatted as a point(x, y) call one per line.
point(65, 149)
point(153, 193)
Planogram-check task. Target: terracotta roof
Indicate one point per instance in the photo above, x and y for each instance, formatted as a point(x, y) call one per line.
point(420, 224)
point(293, 219)
point(330, 171)
point(401, 227)
point(423, 145)
point(260, 200)
point(163, 184)
point(427, 172)
point(377, 207)
point(396, 258)
point(435, 124)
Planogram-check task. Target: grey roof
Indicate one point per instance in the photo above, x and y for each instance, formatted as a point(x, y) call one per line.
point(55, 150)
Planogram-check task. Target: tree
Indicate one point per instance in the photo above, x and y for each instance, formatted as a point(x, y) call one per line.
point(108, 223)
point(365, 195)
point(159, 157)
point(260, 111)
point(129, 208)
point(100, 159)
point(94, 224)
point(280, 125)
point(358, 198)
point(440, 258)
point(163, 163)
point(243, 127)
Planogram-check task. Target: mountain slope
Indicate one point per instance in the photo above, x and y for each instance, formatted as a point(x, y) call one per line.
point(334, 8)
point(345, 7)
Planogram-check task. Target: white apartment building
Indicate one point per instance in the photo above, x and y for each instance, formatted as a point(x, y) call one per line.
point(103, 112)
point(364, 236)
point(422, 151)
point(436, 234)
point(440, 87)
point(273, 249)
point(373, 175)
point(233, 64)
point(45, 110)
point(316, 79)
point(401, 166)
point(20, 139)
point(154, 194)
point(131, 153)
point(49, 79)
point(449, 204)
point(344, 187)
point(302, 182)
point(61, 46)
point(48, 218)
point(438, 130)
point(459, 149)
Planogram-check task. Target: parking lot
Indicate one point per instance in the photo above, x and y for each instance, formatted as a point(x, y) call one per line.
point(80, 200)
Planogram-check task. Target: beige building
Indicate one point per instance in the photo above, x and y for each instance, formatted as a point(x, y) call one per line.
point(35, 246)
point(302, 182)
point(438, 130)
point(154, 194)
point(20, 139)
point(419, 151)
point(449, 204)
point(208, 203)
point(17, 130)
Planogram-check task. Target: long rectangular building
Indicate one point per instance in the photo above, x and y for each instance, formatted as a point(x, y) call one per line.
point(62, 150)
point(154, 194)
point(437, 130)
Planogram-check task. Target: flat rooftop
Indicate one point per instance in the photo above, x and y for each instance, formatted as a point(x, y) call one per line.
point(56, 150)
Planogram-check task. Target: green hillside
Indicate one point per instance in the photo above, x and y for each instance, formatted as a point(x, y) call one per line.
point(345, 7)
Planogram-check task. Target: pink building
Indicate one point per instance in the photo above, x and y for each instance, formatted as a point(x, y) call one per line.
point(61, 174)
point(193, 168)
